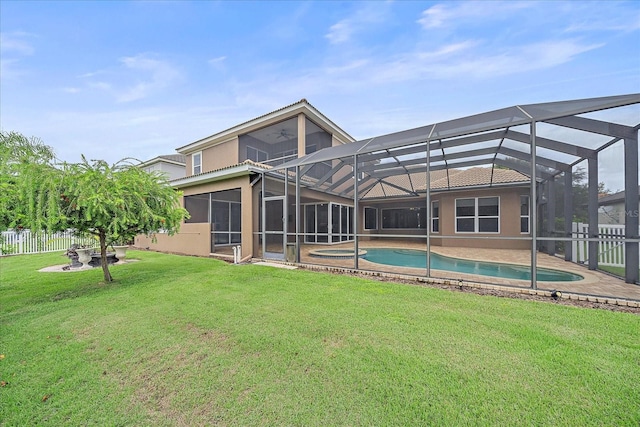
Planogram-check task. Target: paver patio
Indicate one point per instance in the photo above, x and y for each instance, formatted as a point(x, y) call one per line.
point(595, 283)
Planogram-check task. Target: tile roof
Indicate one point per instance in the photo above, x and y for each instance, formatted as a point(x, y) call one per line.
point(440, 180)
point(478, 176)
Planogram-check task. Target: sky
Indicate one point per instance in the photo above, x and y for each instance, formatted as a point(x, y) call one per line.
point(117, 79)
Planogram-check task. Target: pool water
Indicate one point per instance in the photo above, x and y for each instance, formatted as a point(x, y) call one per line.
point(335, 253)
point(418, 259)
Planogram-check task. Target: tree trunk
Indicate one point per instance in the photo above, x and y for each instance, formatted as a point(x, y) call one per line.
point(103, 257)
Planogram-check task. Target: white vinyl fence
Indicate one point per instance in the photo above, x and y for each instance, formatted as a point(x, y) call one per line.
point(26, 242)
point(610, 252)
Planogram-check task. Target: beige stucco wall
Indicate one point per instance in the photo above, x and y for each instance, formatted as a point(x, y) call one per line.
point(509, 219)
point(192, 239)
point(220, 156)
point(215, 157)
point(336, 141)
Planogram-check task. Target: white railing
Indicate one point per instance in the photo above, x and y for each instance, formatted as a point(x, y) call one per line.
point(610, 252)
point(26, 242)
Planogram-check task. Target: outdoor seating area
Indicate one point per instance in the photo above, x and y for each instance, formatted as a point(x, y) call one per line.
point(84, 257)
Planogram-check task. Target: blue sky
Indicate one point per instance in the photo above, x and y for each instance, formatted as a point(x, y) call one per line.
point(115, 79)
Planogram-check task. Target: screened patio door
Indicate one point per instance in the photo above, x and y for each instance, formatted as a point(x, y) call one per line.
point(274, 232)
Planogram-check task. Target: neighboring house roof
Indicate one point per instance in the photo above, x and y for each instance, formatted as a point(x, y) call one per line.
point(177, 159)
point(302, 106)
point(613, 198)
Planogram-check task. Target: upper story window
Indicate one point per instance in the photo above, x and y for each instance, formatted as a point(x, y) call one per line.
point(196, 163)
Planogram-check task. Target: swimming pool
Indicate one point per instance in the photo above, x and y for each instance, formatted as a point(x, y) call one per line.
point(418, 259)
point(335, 253)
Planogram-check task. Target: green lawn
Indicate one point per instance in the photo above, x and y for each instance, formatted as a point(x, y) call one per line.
point(618, 271)
point(192, 341)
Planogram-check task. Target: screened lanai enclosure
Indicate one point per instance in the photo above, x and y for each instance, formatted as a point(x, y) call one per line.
point(509, 196)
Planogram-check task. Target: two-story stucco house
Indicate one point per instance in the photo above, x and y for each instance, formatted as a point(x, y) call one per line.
point(224, 192)
point(222, 171)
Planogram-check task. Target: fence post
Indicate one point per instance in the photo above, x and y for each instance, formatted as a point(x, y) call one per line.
point(574, 243)
point(21, 242)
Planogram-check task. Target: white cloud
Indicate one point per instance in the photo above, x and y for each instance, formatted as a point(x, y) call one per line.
point(340, 32)
point(160, 74)
point(91, 74)
point(513, 60)
point(586, 17)
point(435, 16)
point(218, 64)
point(13, 47)
point(470, 59)
point(363, 19)
point(216, 61)
point(458, 13)
point(150, 76)
point(16, 43)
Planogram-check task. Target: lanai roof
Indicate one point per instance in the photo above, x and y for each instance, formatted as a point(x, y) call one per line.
point(564, 134)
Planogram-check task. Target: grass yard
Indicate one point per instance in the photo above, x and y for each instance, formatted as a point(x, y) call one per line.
point(193, 341)
point(618, 271)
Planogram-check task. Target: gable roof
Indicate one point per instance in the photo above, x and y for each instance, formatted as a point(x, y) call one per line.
point(302, 106)
point(177, 159)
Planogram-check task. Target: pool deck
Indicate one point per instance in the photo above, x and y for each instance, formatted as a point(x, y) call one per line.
point(595, 283)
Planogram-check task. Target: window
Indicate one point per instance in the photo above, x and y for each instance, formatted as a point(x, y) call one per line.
point(226, 217)
point(370, 219)
point(310, 223)
point(257, 155)
point(198, 208)
point(196, 163)
point(328, 223)
point(478, 215)
point(435, 216)
point(222, 210)
point(524, 214)
point(412, 218)
point(322, 223)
